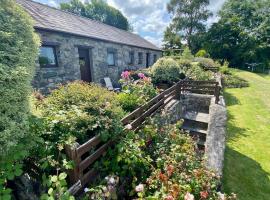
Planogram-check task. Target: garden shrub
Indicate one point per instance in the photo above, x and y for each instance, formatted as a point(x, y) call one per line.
point(157, 162)
point(135, 93)
point(224, 69)
point(187, 54)
point(166, 70)
point(206, 62)
point(18, 51)
point(196, 73)
point(128, 101)
point(82, 110)
point(202, 54)
point(233, 81)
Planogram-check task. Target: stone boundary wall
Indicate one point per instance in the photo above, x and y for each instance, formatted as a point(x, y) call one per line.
point(215, 140)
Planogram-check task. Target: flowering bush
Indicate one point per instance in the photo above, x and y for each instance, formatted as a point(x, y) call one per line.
point(135, 92)
point(159, 162)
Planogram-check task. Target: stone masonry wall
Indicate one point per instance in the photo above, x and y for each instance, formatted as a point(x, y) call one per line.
point(68, 60)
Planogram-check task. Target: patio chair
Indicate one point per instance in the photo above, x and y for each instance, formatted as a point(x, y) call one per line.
point(109, 85)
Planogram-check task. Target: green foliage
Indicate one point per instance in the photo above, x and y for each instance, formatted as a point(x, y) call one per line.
point(185, 21)
point(57, 188)
point(206, 62)
point(128, 101)
point(233, 81)
point(240, 36)
point(224, 69)
point(98, 10)
point(152, 164)
point(202, 53)
point(195, 72)
point(135, 93)
point(82, 111)
point(18, 51)
point(166, 70)
point(171, 42)
point(187, 54)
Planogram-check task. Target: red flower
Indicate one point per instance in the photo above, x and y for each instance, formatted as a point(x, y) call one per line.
point(204, 194)
point(163, 177)
point(170, 170)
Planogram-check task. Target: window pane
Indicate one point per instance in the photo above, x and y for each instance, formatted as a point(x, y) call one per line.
point(47, 56)
point(131, 58)
point(110, 59)
point(155, 58)
point(140, 58)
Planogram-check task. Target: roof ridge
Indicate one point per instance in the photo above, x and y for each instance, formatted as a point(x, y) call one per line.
point(80, 16)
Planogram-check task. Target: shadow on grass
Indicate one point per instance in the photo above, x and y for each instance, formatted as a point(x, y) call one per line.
point(230, 100)
point(245, 177)
point(233, 131)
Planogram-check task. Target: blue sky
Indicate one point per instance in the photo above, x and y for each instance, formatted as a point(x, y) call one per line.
point(149, 18)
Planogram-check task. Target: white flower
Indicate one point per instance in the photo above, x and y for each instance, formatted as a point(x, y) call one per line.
point(128, 126)
point(189, 196)
point(139, 188)
point(86, 190)
point(221, 196)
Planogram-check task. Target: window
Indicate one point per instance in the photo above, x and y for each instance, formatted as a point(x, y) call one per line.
point(111, 56)
point(47, 56)
point(155, 58)
point(140, 58)
point(131, 58)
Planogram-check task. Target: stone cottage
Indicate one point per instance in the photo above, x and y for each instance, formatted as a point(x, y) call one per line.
point(77, 48)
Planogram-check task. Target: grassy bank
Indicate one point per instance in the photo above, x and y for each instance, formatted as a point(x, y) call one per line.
point(247, 157)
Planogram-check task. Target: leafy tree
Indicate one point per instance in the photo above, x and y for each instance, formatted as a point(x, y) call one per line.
point(98, 10)
point(171, 42)
point(242, 34)
point(188, 17)
point(18, 51)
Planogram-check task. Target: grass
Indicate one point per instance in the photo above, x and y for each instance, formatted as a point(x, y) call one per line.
point(247, 155)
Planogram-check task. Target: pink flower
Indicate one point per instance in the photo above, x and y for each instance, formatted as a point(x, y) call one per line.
point(141, 75)
point(204, 194)
point(139, 188)
point(189, 196)
point(170, 197)
point(125, 75)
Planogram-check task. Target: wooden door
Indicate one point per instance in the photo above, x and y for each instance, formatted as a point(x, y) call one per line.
point(147, 59)
point(84, 60)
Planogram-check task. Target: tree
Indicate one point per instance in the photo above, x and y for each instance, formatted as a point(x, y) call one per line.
point(18, 52)
point(98, 10)
point(189, 17)
point(171, 42)
point(242, 34)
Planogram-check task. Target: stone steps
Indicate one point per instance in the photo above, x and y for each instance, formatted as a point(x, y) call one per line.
point(196, 116)
point(196, 124)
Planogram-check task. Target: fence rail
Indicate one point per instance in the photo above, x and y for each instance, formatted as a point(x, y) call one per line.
point(83, 171)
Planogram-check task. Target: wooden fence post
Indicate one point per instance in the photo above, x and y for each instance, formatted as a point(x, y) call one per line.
point(72, 154)
point(178, 91)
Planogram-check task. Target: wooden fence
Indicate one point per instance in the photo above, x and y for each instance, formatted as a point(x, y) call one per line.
point(213, 69)
point(84, 172)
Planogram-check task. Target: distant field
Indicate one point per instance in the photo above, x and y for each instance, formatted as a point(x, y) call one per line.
point(247, 156)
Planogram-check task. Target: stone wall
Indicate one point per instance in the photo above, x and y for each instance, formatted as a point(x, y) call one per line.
point(68, 60)
point(215, 141)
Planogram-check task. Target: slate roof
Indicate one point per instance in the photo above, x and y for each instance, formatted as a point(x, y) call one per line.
point(52, 19)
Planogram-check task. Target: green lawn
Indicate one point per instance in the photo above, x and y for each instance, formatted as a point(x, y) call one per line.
point(247, 156)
